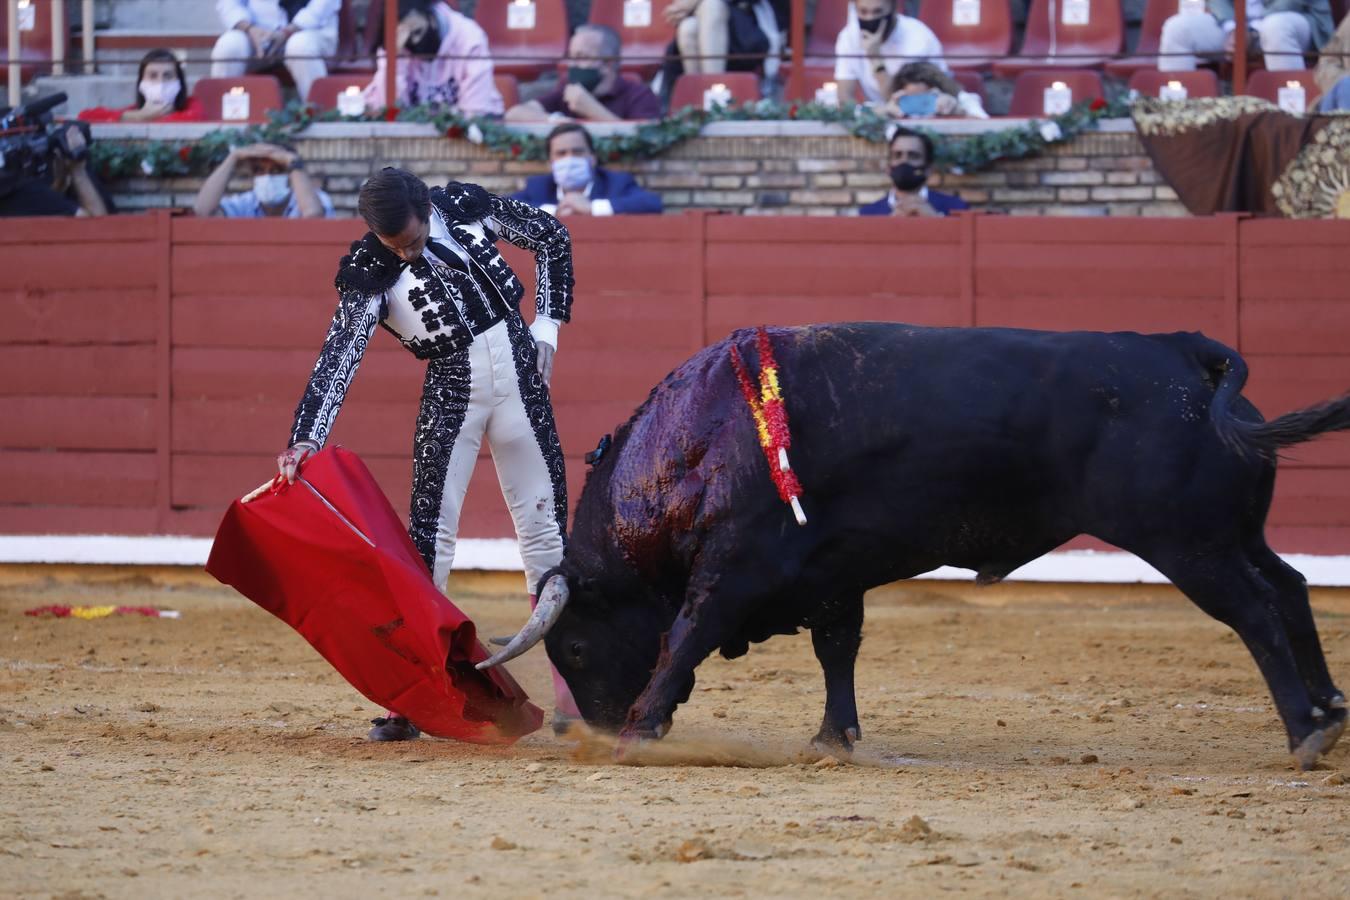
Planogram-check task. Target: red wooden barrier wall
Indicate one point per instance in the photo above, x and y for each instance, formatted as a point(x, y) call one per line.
point(149, 365)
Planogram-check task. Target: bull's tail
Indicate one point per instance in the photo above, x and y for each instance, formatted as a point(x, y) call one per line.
point(1265, 439)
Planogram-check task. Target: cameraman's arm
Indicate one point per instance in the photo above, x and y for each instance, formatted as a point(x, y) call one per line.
point(208, 198)
point(91, 201)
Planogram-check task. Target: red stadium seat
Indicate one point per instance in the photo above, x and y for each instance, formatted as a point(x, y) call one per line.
point(524, 52)
point(689, 88)
point(264, 94)
point(970, 46)
point(1199, 83)
point(324, 92)
point(831, 15)
point(509, 87)
point(643, 46)
point(1075, 46)
point(35, 44)
point(1028, 97)
point(1266, 84)
point(1156, 12)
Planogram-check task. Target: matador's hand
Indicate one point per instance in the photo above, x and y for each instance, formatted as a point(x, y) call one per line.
point(545, 353)
point(289, 460)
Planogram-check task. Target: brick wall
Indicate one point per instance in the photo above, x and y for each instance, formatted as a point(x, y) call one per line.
point(1104, 173)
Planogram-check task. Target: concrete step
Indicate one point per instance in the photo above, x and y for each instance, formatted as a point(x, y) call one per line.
point(84, 91)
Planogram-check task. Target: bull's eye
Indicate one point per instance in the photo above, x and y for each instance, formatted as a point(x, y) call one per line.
point(576, 649)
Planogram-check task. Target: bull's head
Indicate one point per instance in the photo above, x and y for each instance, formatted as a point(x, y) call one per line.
point(605, 650)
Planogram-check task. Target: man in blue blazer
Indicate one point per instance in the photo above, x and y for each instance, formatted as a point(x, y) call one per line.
point(577, 186)
point(909, 161)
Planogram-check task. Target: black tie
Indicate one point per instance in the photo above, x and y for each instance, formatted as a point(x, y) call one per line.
point(447, 256)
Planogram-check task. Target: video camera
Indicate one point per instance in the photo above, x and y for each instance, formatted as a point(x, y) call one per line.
point(30, 138)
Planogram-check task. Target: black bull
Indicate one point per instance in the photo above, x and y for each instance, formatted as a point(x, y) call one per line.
point(918, 448)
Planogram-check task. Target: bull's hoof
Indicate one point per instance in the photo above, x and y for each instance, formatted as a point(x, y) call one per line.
point(392, 728)
point(834, 740)
point(632, 738)
point(1319, 742)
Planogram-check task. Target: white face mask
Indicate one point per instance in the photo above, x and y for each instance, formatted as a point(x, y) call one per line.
point(159, 93)
point(572, 173)
point(271, 190)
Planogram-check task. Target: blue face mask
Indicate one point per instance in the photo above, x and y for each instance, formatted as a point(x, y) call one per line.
point(572, 173)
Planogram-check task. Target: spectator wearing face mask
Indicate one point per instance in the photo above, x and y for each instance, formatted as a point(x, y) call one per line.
point(909, 161)
point(161, 95)
point(930, 92)
point(447, 61)
point(577, 186)
point(874, 44)
point(595, 90)
point(281, 187)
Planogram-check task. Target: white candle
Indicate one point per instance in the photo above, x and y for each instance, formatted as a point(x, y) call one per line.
point(828, 94)
point(717, 95)
point(520, 14)
point(1057, 99)
point(351, 102)
point(234, 106)
point(1174, 91)
point(1292, 98)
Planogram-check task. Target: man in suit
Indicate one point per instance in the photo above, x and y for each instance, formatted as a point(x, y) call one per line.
point(1283, 29)
point(908, 162)
point(577, 186)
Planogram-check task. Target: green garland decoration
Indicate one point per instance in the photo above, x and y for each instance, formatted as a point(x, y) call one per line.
point(161, 159)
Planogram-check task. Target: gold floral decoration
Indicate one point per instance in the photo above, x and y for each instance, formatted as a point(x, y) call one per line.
point(1316, 185)
point(1168, 117)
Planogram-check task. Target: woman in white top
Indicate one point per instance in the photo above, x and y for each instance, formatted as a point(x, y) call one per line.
point(875, 42)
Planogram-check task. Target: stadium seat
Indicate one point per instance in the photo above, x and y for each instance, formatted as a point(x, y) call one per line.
point(1156, 12)
point(35, 44)
point(970, 46)
point(825, 27)
point(1075, 46)
point(324, 92)
point(509, 87)
point(524, 52)
point(1266, 84)
point(1028, 98)
point(264, 94)
point(689, 88)
point(644, 46)
point(1199, 83)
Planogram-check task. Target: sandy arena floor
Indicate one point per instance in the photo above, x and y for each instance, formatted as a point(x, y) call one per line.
point(1023, 740)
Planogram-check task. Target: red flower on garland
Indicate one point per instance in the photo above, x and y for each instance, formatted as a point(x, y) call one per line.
point(613, 156)
point(792, 111)
point(515, 150)
point(184, 153)
point(454, 131)
point(1096, 104)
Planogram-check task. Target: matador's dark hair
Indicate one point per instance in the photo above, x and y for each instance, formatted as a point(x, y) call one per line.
point(389, 199)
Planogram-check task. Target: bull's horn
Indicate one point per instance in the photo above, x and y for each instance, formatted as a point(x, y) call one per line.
point(546, 612)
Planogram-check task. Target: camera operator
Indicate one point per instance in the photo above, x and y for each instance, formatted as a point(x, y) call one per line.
point(41, 160)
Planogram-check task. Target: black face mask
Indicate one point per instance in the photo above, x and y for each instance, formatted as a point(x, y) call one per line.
point(872, 25)
point(908, 177)
point(426, 45)
point(588, 77)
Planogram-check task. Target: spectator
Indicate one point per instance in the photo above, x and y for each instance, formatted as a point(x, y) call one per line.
point(1333, 70)
point(909, 162)
point(263, 33)
point(706, 31)
point(450, 63)
point(922, 79)
point(281, 187)
point(161, 95)
point(595, 90)
point(1283, 29)
point(874, 44)
point(578, 186)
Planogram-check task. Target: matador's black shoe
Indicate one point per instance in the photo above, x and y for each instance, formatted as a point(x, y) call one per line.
point(392, 728)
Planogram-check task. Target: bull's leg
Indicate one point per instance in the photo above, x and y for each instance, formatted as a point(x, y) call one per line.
point(1301, 629)
point(703, 623)
point(1225, 586)
point(836, 645)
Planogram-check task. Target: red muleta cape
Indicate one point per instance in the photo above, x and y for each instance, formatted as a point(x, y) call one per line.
point(345, 574)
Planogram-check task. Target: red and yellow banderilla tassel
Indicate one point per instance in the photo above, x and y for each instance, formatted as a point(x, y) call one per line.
point(771, 419)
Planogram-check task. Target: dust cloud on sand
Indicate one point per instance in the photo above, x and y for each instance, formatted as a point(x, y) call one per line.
point(1035, 741)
